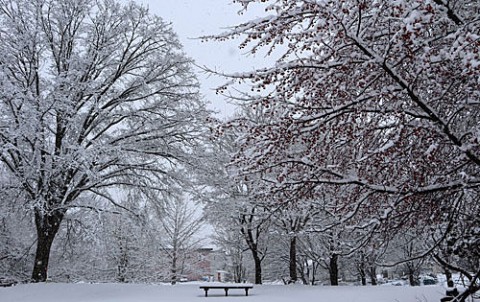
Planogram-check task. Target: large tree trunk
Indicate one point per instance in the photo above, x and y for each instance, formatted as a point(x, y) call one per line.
point(258, 268)
point(333, 269)
point(47, 224)
point(293, 260)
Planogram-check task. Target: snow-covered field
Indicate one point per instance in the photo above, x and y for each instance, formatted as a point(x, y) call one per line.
point(54, 292)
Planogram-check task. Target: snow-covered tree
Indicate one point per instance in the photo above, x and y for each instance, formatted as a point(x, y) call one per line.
point(229, 203)
point(94, 95)
point(110, 245)
point(231, 241)
point(291, 220)
point(383, 97)
point(180, 223)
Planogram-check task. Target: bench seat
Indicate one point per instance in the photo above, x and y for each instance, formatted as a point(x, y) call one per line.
point(226, 288)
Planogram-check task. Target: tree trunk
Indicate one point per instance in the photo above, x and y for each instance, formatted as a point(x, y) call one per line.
point(174, 267)
point(258, 269)
point(293, 260)
point(362, 274)
point(47, 225)
point(252, 245)
point(238, 268)
point(333, 269)
point(314, 272)
point(448, 276)
point(238, 273)
point(122, 263)
point(411, 275)
point(361, 270)
point(411, 279)
point(364, 280)
point(373, 274)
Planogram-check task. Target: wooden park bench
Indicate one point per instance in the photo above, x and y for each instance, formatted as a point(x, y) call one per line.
point(226, 287)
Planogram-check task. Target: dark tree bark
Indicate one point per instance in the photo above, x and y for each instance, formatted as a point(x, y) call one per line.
point(314, 272)
point(333, 269)
point(47, 224)
point(122, 265)
point(251, 236)
point(363, 278)
point(412, 275)
point(448, 276)
point(373, 274)
point(258, 267)
point(411, 279)
point(293, 260)
point(257, 257)
point(361, 264)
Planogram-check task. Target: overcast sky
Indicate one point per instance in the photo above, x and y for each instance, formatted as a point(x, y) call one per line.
point(195, 18)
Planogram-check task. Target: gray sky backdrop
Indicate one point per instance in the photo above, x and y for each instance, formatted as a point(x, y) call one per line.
point(194, 18)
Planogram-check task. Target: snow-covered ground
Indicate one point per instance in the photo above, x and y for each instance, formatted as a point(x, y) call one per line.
point(54, 292)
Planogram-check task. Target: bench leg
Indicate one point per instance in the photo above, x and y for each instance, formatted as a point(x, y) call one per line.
point(206, 292)
point(246, 291)
point(226, 292)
